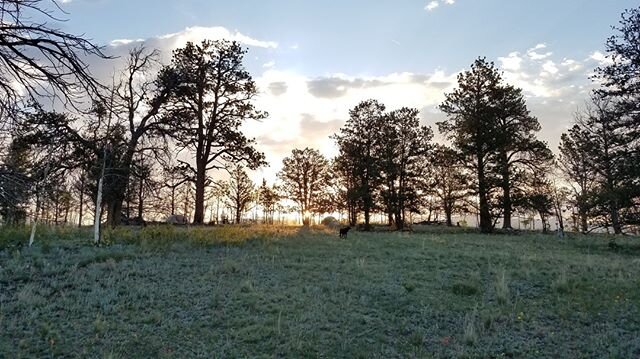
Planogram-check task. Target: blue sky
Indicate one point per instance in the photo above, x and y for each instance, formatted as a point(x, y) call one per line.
point(315, 60)
point(367, 37)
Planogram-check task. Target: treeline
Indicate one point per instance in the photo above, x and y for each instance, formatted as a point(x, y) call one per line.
point(155, 137)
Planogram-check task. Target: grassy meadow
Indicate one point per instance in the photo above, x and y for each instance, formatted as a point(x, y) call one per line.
point(288, 292)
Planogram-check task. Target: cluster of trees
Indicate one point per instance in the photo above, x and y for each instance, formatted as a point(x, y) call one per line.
point(151, 142)
point(195, 105)
point(387, 162)
point(600, 154)
point(119, 152)
point(495, 166)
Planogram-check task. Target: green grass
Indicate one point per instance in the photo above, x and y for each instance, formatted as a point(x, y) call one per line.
point(284, 292)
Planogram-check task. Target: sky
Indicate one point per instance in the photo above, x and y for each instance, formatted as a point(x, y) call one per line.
point(313, 61)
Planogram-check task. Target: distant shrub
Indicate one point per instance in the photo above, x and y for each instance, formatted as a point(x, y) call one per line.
point(330, 222)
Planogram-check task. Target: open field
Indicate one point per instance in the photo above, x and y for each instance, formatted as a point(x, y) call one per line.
point(287, 292)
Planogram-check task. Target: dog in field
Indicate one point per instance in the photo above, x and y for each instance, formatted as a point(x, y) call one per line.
point(344, 231)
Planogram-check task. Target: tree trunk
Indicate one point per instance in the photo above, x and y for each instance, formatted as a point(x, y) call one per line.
point(506, 191)
point(217, 211)
point(114, 212)
point(400, 205)
point(485, 215)
point(98, 211)
point(615, 219)
point(353, 215)
point(583, 222)
point(81, 202)
point(544, 222)
point(306, 221)
point(366, 218)
point(121, 182)
point(198, 217)
point(506, 221)
point(173, 201)
point(447, 213)
point(140, 200)
point(399, 220)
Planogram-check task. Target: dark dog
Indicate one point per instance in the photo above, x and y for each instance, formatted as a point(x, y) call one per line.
point(344, 231)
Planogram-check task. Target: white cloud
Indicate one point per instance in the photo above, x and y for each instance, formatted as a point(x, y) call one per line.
point(572, 65)
point(198, 33)
point(534, 53)
point(436, 3)
point(554, 88)
point(600, 58)
point(432, 6)
point(269, 64)
point(550, 67)
point(122, 42)
point(166, 43)
point(512, 62)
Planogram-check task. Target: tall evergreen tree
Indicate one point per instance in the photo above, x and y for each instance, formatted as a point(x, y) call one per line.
point(518, 151)
point(403, 160)
point(449, 181)
point(620, 78)
point(610, 153)
point(214, 97)
point(359, 142)
point(576, 163)
point(472, 127)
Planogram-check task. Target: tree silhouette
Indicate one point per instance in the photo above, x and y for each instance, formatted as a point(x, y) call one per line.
point(359, 142)
point(344, 167)
point(214, 97)
point(135, 106)
point(621, 89)
point(268, 198)
point(518, 149)
point(305, 176)
point(39, 58)
point(403, 160)
point(579, 170)
point(449, 181)
point(539, 197)
point(240, 192)
point(15, 182)
point(610, 153)
point(472, 127)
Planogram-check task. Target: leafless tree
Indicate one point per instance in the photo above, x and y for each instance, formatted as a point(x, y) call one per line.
point(39, 60)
